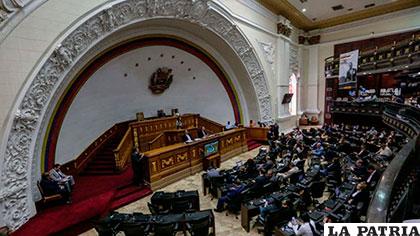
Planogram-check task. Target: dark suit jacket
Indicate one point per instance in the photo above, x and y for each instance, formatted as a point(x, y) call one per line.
point(50, 187)
point(362, 196)
point(185, 138)
point(259, 182)
point(202, 133)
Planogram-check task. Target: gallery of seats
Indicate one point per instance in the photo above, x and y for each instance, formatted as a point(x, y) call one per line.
point(208, 117)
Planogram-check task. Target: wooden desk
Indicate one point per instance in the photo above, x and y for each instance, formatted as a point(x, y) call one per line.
point(169, 164)
point(247, 212)
point(257, 133)
point(213, 160)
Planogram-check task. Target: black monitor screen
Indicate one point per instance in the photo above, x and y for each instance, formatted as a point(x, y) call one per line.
point(211, 148)
point(287, 98)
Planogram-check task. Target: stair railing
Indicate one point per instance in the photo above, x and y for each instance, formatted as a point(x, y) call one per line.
point(123, 151)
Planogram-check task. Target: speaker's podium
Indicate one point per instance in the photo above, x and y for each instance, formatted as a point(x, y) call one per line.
point(211, 155)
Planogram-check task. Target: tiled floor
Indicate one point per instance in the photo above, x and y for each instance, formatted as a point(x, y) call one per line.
point(225, 225)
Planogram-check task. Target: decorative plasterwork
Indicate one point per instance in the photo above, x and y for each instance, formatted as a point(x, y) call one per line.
point(16, 202)
point(284, 29)
point(294, 60)
point(269, 52)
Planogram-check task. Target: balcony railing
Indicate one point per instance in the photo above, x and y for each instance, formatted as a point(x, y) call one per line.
point(398, 56)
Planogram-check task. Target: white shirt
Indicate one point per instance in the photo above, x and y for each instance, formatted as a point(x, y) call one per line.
point(385, 152)
point(189, 139)
point(370, 177)
point(305, 229)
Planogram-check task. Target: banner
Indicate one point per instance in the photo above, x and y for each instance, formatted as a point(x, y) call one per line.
point(348, 69)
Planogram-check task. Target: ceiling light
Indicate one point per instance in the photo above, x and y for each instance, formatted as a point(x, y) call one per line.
point(303, 9)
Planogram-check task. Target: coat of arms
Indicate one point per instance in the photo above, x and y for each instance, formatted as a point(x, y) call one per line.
point(161, 80)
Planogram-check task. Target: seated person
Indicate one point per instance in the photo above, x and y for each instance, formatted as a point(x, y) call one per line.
point(202, 133)
point(51, 187)
point(372, 176)
point(363, 152)
point(360, 195)
point(270, 206)
point(229, 126)
point(385, 151)
point(305, 226)
point(260, 181)
point(234, 191)
point(318, 149)
point(285, 175)
point(213, 172)
point(267, 165)
point(187, 137)
point(62, 179)
point(359, 170)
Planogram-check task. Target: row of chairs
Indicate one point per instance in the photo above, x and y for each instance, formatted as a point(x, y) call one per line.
point(194, 224)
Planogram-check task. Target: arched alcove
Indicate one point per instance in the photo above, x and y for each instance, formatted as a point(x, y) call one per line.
point(81, 43)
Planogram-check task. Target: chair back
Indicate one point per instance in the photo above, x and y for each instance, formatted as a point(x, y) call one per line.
point(134, 229)
point(152, 208)
point(317, 189)
point(200, 227)
point(181, 205)
point(40, 189)
point(165, 229)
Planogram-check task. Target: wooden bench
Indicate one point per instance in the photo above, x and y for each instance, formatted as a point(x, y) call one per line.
point(45, 199)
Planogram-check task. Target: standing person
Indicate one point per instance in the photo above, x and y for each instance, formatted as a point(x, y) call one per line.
point(178, 121)
point(276, 131)
point(136, 164)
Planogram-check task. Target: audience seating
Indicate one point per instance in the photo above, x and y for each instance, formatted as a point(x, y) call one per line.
point(196, 223)
point(302, 187)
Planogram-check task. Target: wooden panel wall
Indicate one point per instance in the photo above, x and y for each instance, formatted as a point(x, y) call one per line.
point(168, 164)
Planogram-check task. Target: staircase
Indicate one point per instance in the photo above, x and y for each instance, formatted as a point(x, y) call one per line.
point(104, 162)
point(127, 194)
point(252, 144)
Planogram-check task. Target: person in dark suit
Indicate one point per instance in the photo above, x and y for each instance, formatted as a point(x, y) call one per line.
point(363, 152)
point(232, 193)
point(137, 166)
point(187, 137)
point(373, 176)
point(51, 187)
point(260, 180)
point(359, 170)
point(360, 195)
point(202, 133)
point(276, 131)
point(351, 73)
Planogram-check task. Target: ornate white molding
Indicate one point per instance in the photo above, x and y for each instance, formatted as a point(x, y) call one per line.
point(16, 202)
point(269, 52)
point(294, 60)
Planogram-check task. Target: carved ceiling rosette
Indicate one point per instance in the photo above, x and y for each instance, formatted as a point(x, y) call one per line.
point(16, 203)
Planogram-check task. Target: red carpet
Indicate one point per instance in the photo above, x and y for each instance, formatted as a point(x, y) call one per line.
point(93, 196)
point(252, 144)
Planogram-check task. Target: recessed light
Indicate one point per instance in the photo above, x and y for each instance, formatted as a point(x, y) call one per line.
point(303, 9)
